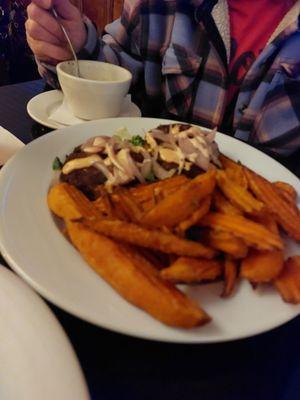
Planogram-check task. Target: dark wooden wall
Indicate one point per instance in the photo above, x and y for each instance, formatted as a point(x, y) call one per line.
point(102, 11)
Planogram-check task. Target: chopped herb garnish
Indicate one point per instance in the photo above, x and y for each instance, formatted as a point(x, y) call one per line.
point(57, 164)
point(137, 140)
point(150, 177)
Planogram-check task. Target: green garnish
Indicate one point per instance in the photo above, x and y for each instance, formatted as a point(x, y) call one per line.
point(57, 164)
point(150, 177)
point(137, 140)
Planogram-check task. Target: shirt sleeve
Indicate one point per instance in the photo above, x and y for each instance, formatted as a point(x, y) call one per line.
point(277, 126)
point(118, 45)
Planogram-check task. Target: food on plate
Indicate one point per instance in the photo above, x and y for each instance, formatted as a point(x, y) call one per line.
point(234, 171)
point(230, 276)
point(288, 282)
point(287, 191)
point(69, 203)
point(177, 212)
point(263, 266)
point(165, 151)
point(195, 217)
point(238, 195)
point(227, 242)
point(223, 205)
point(192, 270)
point(155, 239)
point(253, 233)
point(144, 195)
point(181, 204)
point(135, 278)
point(288, 217)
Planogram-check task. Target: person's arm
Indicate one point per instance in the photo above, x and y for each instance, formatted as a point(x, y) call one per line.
point(276, 128)
point(120, 45)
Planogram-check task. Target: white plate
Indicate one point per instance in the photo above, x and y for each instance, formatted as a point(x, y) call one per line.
point(33, 246)
point(44, 104)
point(37, 361)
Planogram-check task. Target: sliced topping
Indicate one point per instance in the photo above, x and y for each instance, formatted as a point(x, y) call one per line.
point(169, 155)
point(162, 173)
point(80, 163)
point(165, 151)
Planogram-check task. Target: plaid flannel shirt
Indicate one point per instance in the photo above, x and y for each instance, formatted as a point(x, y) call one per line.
point(177, 51)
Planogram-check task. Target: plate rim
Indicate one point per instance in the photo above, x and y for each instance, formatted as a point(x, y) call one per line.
point(129, 332)
point(45, 122)
point(37, 303)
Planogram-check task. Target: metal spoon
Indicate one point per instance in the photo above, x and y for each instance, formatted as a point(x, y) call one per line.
point(69, 42)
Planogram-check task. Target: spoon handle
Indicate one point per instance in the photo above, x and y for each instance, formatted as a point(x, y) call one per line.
point(68, 40)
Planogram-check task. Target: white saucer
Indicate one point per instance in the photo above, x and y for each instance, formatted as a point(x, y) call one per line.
point(43, 105)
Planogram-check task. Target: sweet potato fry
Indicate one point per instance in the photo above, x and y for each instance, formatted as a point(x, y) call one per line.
point(124, 201)
point(181, 204)
point(223, 205)
point(288, 282)
point(238, 195)
point(288, 194)
point(262, 266)
point(287, 191)
point(67, 202)
point(228, 162)
point(192, 270)
point(287, 216)
point(153, 239)
point(267, 220)
point(134, 278)
point(228, 243)
point(195, 217)
point(143, 193)
point(234, 171)
point(251, 232)
point(230, 276)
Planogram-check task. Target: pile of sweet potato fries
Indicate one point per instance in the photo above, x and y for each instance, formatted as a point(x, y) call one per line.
point(224, 225)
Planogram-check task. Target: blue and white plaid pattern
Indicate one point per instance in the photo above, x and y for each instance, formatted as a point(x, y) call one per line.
point(179, 72)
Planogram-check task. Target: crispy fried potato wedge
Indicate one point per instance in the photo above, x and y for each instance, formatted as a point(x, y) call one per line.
point(288, 194)
point(267, 220)
point(234, 171)
point(288, 282)
point(223, 205)
point(134, 278)
point(227, 162)
point(262, 266)
point(153, 239)
point(230, 276)
point(146, 195)
point(192, 270)
point(253, 233)
point(143, 193)
point(195, 217)
point(227, 243)
point(287, 191)
point(238, 195)
point(181, 204)
point(287, 216)
point(108, 206)
point(67, 202)
point(125, 202)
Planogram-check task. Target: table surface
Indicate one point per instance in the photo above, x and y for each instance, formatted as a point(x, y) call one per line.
point(265, 367)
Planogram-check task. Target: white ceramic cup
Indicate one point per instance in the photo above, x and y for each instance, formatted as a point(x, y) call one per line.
point(100, 90)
